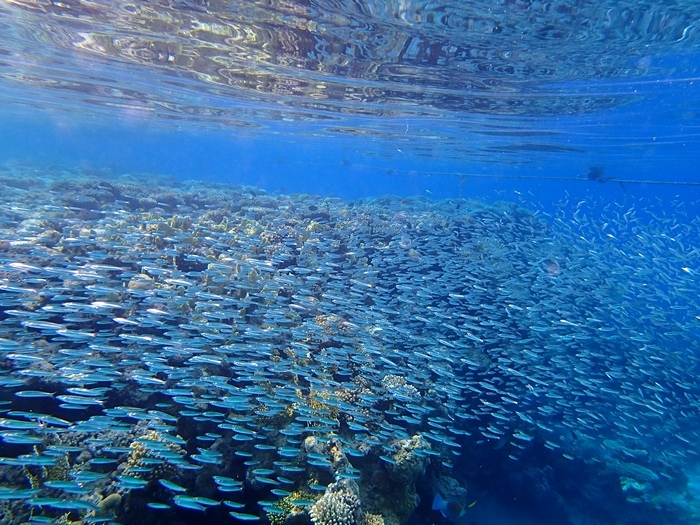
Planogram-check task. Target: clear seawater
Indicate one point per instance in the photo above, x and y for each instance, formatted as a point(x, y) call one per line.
point(584, 115)
point(444, 99)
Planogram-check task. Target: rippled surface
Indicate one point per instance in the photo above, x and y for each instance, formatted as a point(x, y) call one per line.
point(317, 59)
point(516, 84)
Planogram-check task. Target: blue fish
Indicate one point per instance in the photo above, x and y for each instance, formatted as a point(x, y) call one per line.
point(452, 510)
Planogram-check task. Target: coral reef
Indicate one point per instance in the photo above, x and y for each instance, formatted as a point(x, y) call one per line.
point(408, 462)
point(198, 348)
point(339, 505)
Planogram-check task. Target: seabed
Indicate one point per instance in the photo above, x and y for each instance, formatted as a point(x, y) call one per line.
point(181, 352)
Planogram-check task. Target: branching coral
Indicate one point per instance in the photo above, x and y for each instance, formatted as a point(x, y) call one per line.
point(340, 505)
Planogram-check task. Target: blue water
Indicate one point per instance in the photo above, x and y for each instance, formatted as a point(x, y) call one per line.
point(653, 141)
point(586, 115)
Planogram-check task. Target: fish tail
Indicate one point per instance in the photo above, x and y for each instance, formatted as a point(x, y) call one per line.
point(438, 502)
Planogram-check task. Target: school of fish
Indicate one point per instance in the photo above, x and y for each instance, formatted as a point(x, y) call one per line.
point(177, 346)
